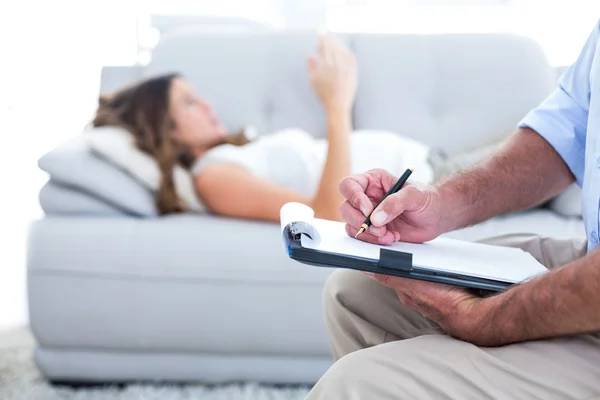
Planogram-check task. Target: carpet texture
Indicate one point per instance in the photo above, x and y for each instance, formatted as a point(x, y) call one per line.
point(20, 380)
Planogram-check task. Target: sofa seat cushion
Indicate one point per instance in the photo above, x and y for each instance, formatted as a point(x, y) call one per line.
point(173, 247)
point(101, 283)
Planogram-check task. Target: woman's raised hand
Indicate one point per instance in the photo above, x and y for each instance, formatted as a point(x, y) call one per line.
point(333, 74)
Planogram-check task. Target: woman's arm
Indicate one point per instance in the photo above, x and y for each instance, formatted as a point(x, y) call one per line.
point(333, 75)
point(232, 191)
point(327, 200)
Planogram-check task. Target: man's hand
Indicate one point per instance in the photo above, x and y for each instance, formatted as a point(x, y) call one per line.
point(562, 302)
point(457, 311)
point(414, 214)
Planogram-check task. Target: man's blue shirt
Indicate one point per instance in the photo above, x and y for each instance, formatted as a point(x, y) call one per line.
point(569, 119)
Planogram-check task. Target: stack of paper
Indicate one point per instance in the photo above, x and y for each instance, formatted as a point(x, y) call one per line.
point(442, 254)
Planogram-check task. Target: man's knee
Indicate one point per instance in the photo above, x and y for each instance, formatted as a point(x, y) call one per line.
point(371, 373)
point(518, 240)
point(348, 378)
point(549, 251)
point(418, 368)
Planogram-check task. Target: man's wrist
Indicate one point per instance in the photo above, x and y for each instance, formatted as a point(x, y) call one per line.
point(454, 205)
point(485, 328)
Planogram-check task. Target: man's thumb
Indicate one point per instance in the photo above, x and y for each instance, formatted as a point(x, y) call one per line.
point(389, 209)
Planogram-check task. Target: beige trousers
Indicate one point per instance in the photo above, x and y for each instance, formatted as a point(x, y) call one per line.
point(387, 351)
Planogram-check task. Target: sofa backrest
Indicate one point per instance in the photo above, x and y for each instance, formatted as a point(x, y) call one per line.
point(455, 92)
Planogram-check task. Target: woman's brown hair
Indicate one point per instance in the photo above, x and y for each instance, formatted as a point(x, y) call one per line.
point(143, 110)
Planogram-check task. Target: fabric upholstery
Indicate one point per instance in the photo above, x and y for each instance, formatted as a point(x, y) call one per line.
point(115, 77)
point(58, 199)
point(73, 164)
point(455, 92)
point(75, 365)
point(167, 286)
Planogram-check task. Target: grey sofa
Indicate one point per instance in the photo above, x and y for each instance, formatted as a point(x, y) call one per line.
point(117, 294)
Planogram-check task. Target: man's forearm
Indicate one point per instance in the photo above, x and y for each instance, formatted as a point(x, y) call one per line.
point(524, 172)
point(564, 301)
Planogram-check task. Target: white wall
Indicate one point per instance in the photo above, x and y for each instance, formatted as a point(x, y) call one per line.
point(49, 77)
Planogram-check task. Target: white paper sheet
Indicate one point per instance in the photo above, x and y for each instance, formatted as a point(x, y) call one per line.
point(442, 254)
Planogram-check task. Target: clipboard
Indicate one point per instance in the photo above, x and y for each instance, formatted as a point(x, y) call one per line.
point(296, 224)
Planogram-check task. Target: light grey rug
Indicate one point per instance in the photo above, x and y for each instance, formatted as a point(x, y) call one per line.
point(20, 380)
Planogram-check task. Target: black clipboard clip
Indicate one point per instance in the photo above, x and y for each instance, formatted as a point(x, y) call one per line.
point(395, 260)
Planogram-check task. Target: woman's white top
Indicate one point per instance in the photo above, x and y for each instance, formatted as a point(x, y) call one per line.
point(294, 159)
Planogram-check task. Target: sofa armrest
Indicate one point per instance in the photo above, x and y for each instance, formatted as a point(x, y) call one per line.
point(115, 77)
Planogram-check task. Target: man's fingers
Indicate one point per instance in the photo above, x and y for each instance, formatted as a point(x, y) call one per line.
point(355, 218)
point(353, 189)
point(386, 239)
point(405, 299)
point(408, 198)
point(351, 215)
point(390, 280)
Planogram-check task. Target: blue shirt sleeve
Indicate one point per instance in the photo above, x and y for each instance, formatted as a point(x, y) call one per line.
point(562, 117)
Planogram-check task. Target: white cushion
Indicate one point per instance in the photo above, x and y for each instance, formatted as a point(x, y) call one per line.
point(117, 146)
point(568, 203)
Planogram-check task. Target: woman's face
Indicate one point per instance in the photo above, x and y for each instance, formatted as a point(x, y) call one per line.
point(195, 122)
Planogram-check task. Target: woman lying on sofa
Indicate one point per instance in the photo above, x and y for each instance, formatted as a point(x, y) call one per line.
point(254, 180)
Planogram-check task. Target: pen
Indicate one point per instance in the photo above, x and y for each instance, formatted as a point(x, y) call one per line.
point(399, 183)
